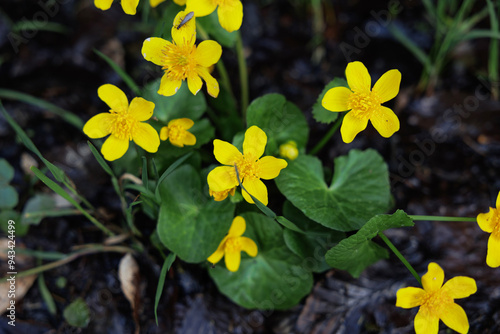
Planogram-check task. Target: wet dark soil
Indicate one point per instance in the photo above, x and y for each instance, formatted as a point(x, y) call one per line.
point(443, 161)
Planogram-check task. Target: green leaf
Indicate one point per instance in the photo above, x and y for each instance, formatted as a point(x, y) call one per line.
point(6, 172)
point(161, 282)
point(359, 189)
point(276, 279)
point(5, 216)
point(314, 241)
point(190, 223)
point(321, 114)
point(8, 197)
point(35, 208)
point(167, 172)
point(280, 119)
point(182, 104)
point(357, 252)
point(77, 313)
point(212, 27)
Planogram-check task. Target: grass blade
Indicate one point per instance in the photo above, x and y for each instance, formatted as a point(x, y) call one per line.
point(46, 296)
point(161, 282)
point(100, 159)
point(493, 56)
point(124, 75)
point(167, 173)
point(412, 47)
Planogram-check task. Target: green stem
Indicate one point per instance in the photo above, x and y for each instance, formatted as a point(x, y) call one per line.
point(400, 257)
point(242, 65)
point(327, 136)
point(444, 218)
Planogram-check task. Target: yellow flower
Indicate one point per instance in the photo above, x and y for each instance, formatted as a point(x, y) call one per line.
point(154, 3)
point(289, 150)
point(176, 132)
point(233, 243)
point(123, 122)
point(250, 168)
point(364, 104)
point(230, 12)
point(436, 301)
point(221, 195)
point(490, 222)
point(129, 6)
point(182, 60)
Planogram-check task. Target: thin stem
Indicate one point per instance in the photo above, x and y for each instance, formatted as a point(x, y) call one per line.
point(327, 136)
point(242, 65)
point(444, 218)
point(400, 257)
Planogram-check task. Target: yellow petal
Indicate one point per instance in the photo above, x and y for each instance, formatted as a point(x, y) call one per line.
point(254, 143)
point(357, 76)
point(433, 279)
point(130, 6)
point(179, 2)
point(114, 97)
point(351, 126)
point(184, 28)
point(426, 322)
point(336, 99)
point(98, 126)
point(493, 255)
point(189, 139)
point(212, 84)
point(152, 49)
point(201, 7)
point(385, 121)
point(387, 87)
point(103, 4)
point(146, 137)
point(230, 15)
point(219, 253)
point(141, 109)
point(486, 221)
point(164, 133)
point(114, 148)
point(222, 178)
point(453, 316)
point(270, 167)
point(238, 227)
point(409, 297)
point(498, 201)
point(185, 123)
point(232, 261)
point(169, 87)
point(194, 84)
point(226, 153)
point(249, 246)
point(255, 187)
point(460, 287)
point(154, 3)
point(208, 53)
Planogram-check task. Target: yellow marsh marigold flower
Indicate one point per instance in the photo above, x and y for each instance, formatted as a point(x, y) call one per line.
point(129, 6)
point(289, 150)
point(364, 104)
point(123, 122)
point(176, 132)
point(154, 3)
point(233, 243)
point(436, 301)
point(221, 195)
point(230, 12)
point(490, 222)
point(182, 60)
point(250, 168)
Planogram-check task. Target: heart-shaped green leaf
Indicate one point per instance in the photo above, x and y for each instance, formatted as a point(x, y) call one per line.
point(280, 119)
point(359, 189)
point(190, 223)
point(357, 252)
point(275, 279)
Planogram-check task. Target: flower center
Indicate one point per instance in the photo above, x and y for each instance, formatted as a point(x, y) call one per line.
point(434, 301)
point(248, 168)
point(496, 221)
point(175, 132)
point(233, 245)
point(179, 60)
point(122, 125)
point(363, 104)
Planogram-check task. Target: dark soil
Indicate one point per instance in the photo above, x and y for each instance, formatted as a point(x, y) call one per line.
point(443, 161)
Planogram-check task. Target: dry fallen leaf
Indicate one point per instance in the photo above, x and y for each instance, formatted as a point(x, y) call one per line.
point(128, 273)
